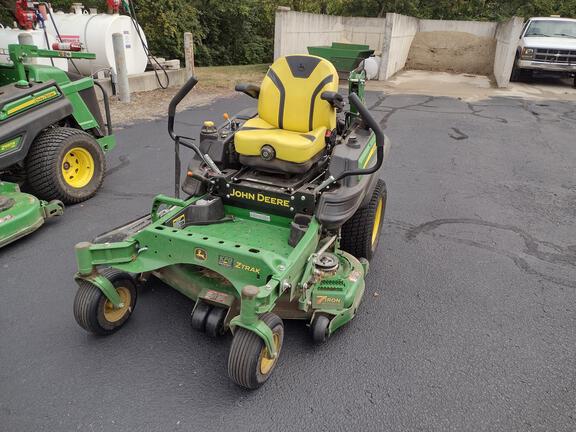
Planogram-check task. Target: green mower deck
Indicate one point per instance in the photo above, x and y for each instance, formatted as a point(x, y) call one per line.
point(21, 213)
point(216, 262)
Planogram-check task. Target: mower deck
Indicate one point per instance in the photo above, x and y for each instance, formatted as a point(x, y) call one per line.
point(21, 213)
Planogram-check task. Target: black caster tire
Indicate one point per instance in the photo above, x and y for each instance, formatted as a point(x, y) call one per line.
point(360, 235)
point(319, 329)
point(95, 313)
point(215, 321)
point(65, 164)
point(248, 363)
point(199, 316)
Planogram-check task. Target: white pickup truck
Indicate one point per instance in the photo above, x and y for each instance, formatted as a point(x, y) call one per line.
point(547, 45)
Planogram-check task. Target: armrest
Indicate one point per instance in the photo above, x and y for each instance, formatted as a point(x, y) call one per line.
point(333, 98)
point(251, 90)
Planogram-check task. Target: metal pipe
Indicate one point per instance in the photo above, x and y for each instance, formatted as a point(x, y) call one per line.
point(121, 68)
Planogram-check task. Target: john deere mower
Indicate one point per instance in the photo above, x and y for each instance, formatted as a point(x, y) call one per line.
point(52, 139)
point(283, 212)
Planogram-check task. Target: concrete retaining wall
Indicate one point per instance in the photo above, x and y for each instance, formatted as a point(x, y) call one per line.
point(507, 36)
point(392, 37)
point(398, 36)
point(295, 31)
point(478, 28)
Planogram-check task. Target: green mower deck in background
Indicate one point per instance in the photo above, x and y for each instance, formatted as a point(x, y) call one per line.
point(52, 139)
point(21, 213)
point(250, 247)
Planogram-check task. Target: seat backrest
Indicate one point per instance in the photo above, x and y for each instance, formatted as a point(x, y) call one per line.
point(290, 93)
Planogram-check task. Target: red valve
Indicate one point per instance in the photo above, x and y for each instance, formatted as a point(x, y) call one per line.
point(67, 46)
point(113, 5)
point(25, 14)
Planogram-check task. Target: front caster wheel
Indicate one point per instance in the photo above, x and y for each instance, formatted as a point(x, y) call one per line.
point(319, 329)
point(215, 321)
point(199, 316)
point(249, 362)
point(95, 313)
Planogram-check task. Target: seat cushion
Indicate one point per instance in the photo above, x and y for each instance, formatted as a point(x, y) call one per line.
point(290, 146)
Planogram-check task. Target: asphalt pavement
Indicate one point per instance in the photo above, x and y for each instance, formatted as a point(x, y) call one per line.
point(468, 322)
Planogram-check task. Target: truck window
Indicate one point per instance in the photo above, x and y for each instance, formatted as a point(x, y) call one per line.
point(551, 28)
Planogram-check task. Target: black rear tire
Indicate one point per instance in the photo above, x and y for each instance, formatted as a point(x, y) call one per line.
point(358, 235)
point(45, 165)
point(245, 366)
point(92, 310)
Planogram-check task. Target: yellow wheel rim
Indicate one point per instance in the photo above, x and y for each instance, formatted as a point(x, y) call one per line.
point(266, 362)
point(78, 167)
point(377, 219)
point(113, 314)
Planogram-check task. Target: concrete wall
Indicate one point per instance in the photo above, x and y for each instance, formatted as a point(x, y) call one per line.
point(507, 35)
point(398, 36)
point(391, 37)
point(478, 28)
point(295, 31)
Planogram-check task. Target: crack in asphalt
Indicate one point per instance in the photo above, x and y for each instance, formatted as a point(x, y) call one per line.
point(458, 134)
point(533, 247)
point(124, 162)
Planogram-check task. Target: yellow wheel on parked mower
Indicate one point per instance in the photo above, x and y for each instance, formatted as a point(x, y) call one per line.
point(65, 164)
point(95, 313)
point(267, 362)
point(114, 314)
point(77, 167)
point(250, 363)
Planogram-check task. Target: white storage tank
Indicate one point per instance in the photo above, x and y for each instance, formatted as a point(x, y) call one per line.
point(94, 32)
point(9, 36)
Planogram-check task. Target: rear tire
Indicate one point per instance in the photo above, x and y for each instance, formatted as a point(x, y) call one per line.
point(95, 313)
point(248, 364)
point(65, 164)
point(360, 235)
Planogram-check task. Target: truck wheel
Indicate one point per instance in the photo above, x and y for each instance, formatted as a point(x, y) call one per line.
point(515, 75)
point(94, 312)
point(65, 164)
point(361, 233)
point(249, 363)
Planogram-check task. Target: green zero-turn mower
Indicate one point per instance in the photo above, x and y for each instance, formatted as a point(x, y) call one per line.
point(52, 139)
point(284, 210)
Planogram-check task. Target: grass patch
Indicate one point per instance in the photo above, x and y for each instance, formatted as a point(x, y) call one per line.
point(226, 77)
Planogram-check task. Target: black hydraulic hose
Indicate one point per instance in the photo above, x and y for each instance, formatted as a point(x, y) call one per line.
point(372, 124)
point(106, 107)
point(132, 13)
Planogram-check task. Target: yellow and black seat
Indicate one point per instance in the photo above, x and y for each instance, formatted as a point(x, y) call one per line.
point(289, 133)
